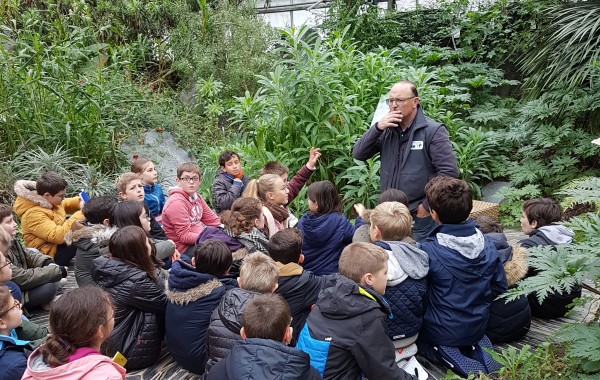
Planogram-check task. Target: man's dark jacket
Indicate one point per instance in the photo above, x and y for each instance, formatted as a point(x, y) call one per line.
point(346, 333)
point(192, 298)
point(300, 288)
point(409, 159)
point(265, 360)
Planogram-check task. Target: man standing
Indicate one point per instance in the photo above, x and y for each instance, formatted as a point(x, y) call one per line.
point(414, 149)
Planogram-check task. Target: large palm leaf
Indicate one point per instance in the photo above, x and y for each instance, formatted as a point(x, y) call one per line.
point(567, 49)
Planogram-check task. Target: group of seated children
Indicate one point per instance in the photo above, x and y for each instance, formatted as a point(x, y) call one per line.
point(345, 310)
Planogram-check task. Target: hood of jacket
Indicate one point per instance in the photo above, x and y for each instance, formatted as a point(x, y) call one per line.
point(500, 241)
point(557, 233)
point(469, 265)
point(404, 260)
point(28, 197)
point(516, 268)
point(321, 227)
point(89, 232)
point(231, 308)
point(185, 285)
point(270, 360)
point(77, 369)
point(338, 299)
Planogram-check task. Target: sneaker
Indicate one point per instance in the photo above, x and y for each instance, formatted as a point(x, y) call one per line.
point(47, 306)
point(458, 362)
point(484, 357)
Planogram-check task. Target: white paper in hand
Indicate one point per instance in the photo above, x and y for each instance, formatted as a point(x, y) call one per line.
point(382, 109)
point(412, 366)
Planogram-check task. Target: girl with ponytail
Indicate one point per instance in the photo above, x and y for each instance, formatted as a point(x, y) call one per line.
point(244, 221)
point(80, 321)
point(272, 191)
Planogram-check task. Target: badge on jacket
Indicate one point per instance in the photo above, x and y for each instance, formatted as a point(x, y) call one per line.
point(417, 145)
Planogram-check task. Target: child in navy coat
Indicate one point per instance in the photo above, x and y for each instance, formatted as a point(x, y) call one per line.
point(325, 231)
point(193, 293)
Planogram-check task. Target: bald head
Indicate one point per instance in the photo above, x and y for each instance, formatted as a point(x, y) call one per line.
point(406, 86)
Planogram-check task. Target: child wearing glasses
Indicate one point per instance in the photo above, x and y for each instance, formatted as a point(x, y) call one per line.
point(16, 341)
point(35, 273)
point(186, 213)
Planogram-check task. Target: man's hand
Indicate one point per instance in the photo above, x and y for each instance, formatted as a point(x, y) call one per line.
point(390, 120)
point(421, 212)
point(315, 153)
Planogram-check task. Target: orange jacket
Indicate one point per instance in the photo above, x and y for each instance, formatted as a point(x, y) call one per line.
point(43, 226)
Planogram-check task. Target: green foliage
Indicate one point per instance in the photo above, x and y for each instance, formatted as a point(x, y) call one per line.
point(547, 361)
point(227, 42)
point(567, 49)
point(565, 265)
point(371, 26)
point(322, 93)
point(362, 184)
point(30, 164)
point(511, 207)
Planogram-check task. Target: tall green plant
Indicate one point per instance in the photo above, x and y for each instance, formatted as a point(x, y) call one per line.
point(323, 93)
point(566, 50)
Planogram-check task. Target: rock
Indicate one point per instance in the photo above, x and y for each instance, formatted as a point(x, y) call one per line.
point(160, 147)
point(491, 190)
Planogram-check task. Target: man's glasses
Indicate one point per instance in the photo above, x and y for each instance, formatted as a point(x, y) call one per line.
point(6, 263)
point(190, 179)
point(397, 101)
point(17, 305)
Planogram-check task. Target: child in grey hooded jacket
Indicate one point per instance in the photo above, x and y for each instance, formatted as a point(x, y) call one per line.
point(391, 225)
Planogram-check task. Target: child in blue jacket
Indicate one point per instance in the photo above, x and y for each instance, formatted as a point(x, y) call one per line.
point(154, 196)
point(193, 292)
point(325, 231)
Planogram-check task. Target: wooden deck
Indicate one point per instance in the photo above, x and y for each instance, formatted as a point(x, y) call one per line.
point(167, 369)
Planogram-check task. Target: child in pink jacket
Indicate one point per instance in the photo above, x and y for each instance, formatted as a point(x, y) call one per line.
point(186, 214)
point(80, 321)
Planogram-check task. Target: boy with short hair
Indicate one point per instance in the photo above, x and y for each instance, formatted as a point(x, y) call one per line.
point(266, 332)
point(299, 180)
point(36, 274)
point(258, 274)
point(186, 214)
point(131, 188)
point(92, 239)
point(539, 222)
point(465, 275)
point(230, 182)
point(299, 287)
point(391, 225)
point(193, 294)
point(346, 332)
point(43, 209)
